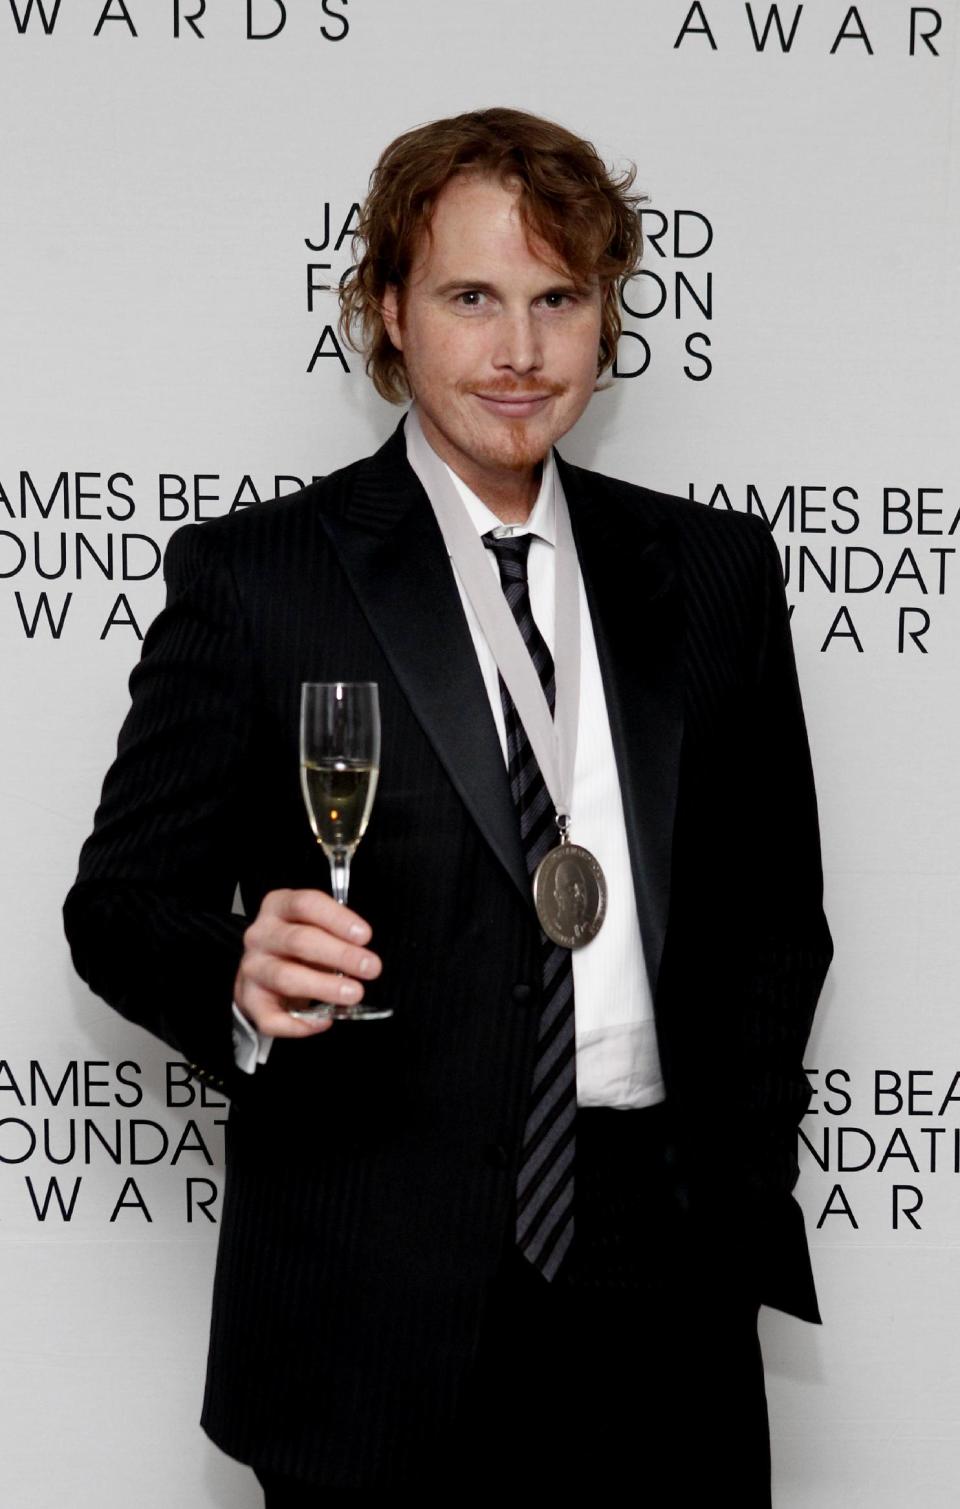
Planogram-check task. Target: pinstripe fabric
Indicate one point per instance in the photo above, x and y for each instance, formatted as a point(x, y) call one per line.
point(545, 1177)
point(371, 1171)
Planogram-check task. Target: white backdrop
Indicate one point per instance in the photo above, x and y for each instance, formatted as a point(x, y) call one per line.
point(786, 349)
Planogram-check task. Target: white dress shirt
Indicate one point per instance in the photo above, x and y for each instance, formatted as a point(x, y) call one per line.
point(617, 1059)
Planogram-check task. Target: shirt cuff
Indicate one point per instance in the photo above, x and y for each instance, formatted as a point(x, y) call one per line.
point(250, 1047)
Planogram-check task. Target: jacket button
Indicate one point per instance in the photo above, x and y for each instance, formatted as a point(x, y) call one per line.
point(522, 994)
point(496, 1155)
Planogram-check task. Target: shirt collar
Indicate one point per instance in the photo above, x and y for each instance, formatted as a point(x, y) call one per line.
point(540, 521)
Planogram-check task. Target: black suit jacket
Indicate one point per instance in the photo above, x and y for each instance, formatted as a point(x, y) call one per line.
point(370, 1171)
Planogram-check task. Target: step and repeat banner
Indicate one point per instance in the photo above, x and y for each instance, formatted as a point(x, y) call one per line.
point(179, 189)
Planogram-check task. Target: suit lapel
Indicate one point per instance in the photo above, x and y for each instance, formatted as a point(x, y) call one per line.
point(393, 553)
point(631, 584)
point(391, 549)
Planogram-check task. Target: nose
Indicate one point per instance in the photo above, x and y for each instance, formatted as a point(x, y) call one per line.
point(518, 347)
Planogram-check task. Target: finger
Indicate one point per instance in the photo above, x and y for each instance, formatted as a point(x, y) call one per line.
point(289, 981)
point(321, 910)
point(305, 943)
point(308, 944)
point(273, 1019)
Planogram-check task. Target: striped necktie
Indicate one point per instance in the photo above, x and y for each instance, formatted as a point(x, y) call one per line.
point(545, 1175)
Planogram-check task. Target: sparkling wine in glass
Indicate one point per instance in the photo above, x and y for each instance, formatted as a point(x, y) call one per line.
point(339, 767)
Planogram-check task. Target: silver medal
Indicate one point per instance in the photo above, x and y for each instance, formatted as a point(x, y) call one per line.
point(570, 894)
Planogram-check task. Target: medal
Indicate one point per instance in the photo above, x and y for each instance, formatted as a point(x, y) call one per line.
point(570, 894)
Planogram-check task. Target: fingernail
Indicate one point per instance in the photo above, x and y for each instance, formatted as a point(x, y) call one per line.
point(349, 990)
point(358, 931)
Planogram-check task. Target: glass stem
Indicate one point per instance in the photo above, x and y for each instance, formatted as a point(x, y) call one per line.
point(340, 874)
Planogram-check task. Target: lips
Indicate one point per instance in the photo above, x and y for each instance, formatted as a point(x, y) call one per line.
point(514, 405)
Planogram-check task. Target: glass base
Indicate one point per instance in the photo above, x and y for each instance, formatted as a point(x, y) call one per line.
point(323, 1011)
point(360, 1012)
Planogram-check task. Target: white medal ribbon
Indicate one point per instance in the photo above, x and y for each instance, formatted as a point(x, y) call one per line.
point(553, 739)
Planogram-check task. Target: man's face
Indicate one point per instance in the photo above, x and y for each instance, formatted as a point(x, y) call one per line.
point(571, 898)
point(500, 345)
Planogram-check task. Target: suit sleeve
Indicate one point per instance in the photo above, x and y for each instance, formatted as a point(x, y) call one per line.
point(149, 918)
point(793, 947)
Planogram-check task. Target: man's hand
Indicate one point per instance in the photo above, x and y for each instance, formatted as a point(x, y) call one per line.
point(292, 951)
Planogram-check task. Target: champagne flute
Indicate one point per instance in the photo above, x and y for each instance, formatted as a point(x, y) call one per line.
point(339, 767)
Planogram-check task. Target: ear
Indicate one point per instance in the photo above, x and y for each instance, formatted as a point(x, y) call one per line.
point(390, 314)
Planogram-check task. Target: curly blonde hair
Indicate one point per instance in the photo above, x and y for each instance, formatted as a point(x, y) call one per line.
point(568, 198)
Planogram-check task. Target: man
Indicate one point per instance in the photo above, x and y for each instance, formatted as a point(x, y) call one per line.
point(516, 1233)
